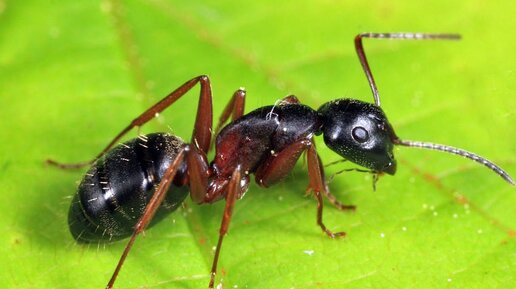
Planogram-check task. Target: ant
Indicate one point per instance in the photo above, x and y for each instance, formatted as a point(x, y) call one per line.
point(136, 183)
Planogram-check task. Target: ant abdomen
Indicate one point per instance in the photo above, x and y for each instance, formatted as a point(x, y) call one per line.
point(113, 195)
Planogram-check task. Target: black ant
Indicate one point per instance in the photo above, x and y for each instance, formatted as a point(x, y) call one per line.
point(151, 175)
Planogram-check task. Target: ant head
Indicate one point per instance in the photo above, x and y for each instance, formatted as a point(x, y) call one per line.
point(359, 132)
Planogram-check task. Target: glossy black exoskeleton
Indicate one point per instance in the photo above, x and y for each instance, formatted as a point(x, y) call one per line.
point(360, 133)
point(113, 194)
point(135, 184)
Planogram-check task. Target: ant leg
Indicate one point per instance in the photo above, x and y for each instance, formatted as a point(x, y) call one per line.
point(150, 210)
point(317, 185)
point(198, 173)
point(234, 190)
point(235, 108)
point(413, 36)
point(203, 123)
point(278, 165)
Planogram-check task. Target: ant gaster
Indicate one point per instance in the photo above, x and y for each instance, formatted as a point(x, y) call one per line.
point(143, 179)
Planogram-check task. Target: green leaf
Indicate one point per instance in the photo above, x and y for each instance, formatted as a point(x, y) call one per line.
point(74, 73)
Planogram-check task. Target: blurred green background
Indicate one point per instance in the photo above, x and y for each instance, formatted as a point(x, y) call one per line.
point(73, 73)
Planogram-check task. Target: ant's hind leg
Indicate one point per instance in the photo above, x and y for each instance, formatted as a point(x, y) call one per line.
point(202, 131)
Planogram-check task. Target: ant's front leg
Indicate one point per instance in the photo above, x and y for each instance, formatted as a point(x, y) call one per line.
point(318, 185)
point(279, 165)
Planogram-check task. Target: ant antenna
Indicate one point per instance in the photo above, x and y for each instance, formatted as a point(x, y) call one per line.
point(401, 35)
point(499, 171)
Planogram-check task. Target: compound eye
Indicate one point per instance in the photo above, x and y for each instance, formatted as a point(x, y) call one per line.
point(360, 134)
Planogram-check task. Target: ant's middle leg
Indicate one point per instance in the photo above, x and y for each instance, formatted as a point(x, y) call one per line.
point(203, 124)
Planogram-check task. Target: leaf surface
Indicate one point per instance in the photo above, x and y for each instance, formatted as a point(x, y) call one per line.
point(74, 73)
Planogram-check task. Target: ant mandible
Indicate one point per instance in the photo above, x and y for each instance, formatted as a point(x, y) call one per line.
point(145, 178)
